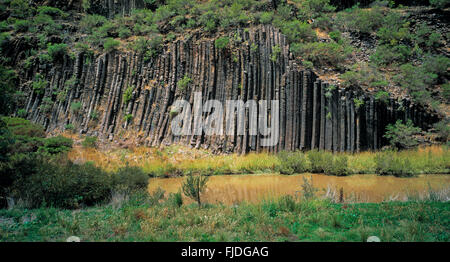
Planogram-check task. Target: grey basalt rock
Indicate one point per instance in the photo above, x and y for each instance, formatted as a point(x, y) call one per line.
point(311, 115)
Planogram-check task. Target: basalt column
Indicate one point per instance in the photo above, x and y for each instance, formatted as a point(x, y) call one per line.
point(122, 95)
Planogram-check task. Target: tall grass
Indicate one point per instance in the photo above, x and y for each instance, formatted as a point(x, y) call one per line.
point(179, 160)
point(285, 219)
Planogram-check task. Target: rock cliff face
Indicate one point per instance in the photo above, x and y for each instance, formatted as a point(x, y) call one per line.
point(312, 114)
point(110, 8)
point(107, 8)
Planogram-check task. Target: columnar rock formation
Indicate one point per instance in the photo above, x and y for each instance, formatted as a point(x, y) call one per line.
point(313, 114)
point(110, 8)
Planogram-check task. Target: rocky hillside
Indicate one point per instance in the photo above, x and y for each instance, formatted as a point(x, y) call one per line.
point(112, 69)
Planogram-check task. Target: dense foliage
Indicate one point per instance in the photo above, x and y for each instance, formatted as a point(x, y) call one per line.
point(34, 170)
point(401, 135)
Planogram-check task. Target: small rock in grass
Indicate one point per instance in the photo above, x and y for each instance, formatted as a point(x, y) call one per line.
point(373, 239)
point(73, 239)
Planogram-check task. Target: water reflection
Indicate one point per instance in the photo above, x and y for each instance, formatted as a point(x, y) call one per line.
point(360, 188)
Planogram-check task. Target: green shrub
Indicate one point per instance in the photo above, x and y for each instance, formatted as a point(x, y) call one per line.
point(86, 4)
point(45, 58)
point(287, 203)
point(439, 3)
point(308, 64)
point(27, 137)
point(437, 65)
point(144, 29)
point(128, 179)
point(183, 83)
point(20, 8)
point(84, 48)
point(50, 27)
point(6, 142)
point(124, 32)
point(394, 29)
point(338, 166)
point(358, 103)
point(318, 160)
point(194, 186)
point(94, 115)
point(297, 31)
point(46, 105)
point(156, 196)
point(291, 162)
point(310, 9)
point(22, 127)
point(61, 96)
point(149, 47)
point(162, 13)
point(52, 11)
point(175, 199)
point(387, 54)
point(128, 117)
point(233, 15)
point(308, 189)
point(57, 51)
point(386, 163)
point(178, 21)
point(64, 185)
point(416, 80)
point(321, 54)
point(22, 25)
point(266, 18)
point(89, 22)
point(13, 169)
point(8, 82)
point(445, 92)
point(56, 145)
point(424, 36)
point(284, 11)
point(276, 50)
point(22, 113)
point(323, 22)
point(55, 182)
point(39, 84)
point(221, 42)
point(75, 107)
point(127, 95)
point(362, 74)
point(89, 141)
point(111, 44)
point(171, 36)
point(362, 20)
point(401, 135)
point(336, 36)
point(443, 129)
point(70, 127)
point(382, 96)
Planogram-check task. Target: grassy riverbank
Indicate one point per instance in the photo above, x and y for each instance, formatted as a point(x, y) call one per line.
point(178, 160)
point(142, 219)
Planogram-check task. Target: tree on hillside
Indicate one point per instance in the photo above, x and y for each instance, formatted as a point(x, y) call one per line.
point(401, 135)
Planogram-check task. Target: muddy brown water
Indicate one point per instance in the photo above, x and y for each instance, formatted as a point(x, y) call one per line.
point(230, 189)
